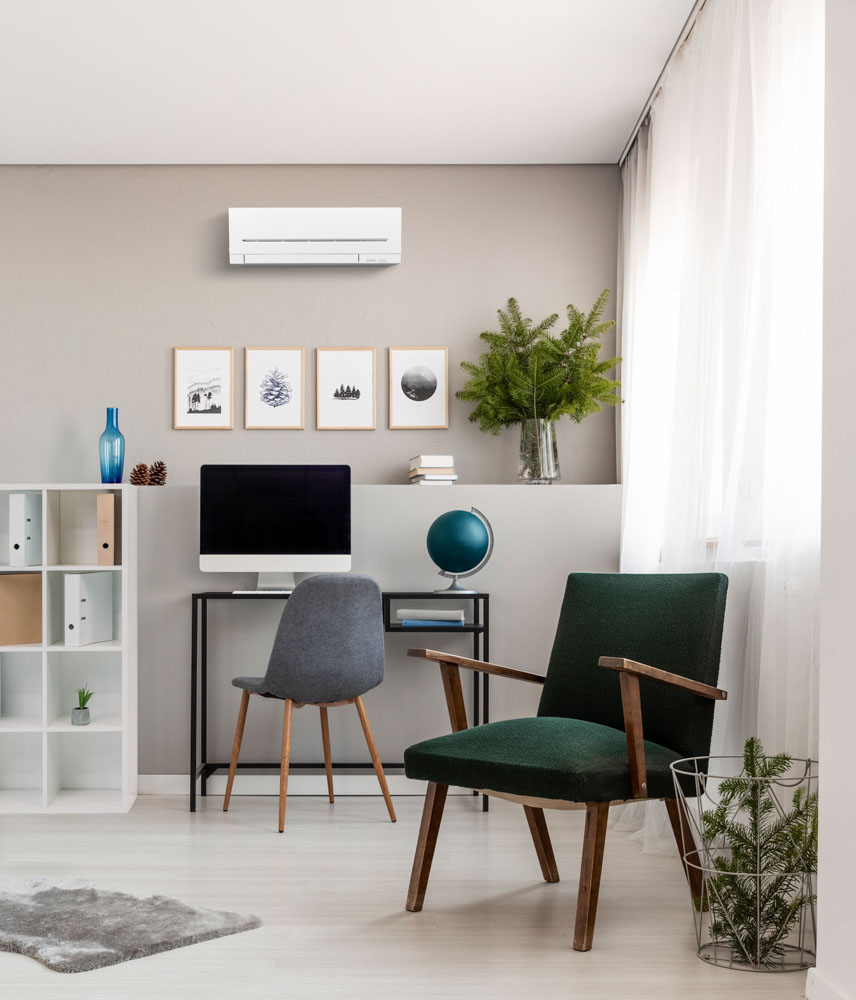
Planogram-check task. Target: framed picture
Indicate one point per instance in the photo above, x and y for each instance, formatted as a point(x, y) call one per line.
point(204, 388)
point(345, 389)
point(418, 388)
point(275, 388)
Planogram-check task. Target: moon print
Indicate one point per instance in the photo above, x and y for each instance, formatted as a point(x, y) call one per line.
point(419, 383)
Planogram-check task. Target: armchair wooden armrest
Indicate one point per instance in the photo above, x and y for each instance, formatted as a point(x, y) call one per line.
point(629, 673)
point(664, 676)
point(450, 670)
point(470, 664)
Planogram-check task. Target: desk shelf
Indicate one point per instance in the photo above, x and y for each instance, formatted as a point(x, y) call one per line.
point(468, 628)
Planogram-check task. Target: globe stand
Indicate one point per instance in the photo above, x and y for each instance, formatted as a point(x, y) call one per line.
point(455, 586)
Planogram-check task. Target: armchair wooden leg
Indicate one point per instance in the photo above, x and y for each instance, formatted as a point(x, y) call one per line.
point(543, 847)
point(236, 747)
point(328, 762)
point(686, 845)
point(592, 863)
point(283, 764)
point(432, 814)
point(381, 777)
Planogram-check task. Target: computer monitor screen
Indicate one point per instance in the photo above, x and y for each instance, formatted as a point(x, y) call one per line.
point(275, 518)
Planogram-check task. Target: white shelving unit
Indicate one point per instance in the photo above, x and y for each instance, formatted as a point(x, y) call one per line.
point(46, 764)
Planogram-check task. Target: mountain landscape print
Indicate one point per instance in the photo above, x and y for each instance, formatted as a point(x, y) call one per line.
point(204, 391)
point(419, 383)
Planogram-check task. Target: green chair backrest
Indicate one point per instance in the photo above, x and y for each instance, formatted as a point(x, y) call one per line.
point(668, 620)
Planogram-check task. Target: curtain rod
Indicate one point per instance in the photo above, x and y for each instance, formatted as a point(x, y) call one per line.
point(684, 34)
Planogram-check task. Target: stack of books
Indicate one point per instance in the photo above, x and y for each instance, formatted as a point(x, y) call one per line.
point(430, 617)
point(432, 470)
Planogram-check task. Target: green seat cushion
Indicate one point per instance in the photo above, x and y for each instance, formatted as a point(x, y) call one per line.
point(546, 757)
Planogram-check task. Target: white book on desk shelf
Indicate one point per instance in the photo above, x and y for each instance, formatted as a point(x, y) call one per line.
point(431, 482)
point(431, 614)
point(425, 460)
point(88, 608)
point(25, 529)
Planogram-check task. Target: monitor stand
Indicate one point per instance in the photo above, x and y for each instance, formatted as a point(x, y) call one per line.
point(276, 582)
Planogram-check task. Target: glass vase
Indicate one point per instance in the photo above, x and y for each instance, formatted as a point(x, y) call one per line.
point(539, 453)
point(111, 448)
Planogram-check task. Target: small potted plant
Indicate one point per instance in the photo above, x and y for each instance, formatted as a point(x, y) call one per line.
point(532, 378)
point(80, 715)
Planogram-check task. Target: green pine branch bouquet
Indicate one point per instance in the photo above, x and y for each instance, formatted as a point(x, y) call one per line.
point(529, 373)
point(768, 850)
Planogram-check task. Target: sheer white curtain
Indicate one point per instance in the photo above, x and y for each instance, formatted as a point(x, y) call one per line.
point(721, 339)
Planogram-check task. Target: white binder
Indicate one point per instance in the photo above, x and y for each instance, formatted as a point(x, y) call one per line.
point(88, 606)
point(25, 529)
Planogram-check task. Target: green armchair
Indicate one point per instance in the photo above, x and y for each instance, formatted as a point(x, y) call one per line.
point(608, 726)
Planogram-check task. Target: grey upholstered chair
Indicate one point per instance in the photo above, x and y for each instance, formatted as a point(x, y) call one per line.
point(328, 651)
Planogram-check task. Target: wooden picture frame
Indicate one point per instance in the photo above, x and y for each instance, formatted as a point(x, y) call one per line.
point(203, 395)
point(274, 388)
point(418, 388)
point(349, 371)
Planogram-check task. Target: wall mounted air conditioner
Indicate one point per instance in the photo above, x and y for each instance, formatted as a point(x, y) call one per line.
point(289, 236)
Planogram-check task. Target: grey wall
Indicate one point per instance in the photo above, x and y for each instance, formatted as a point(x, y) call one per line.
point(835, 975)
point(542, 534)
point(104, 269)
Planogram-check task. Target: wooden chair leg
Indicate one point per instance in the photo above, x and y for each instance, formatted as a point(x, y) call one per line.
point(592, 863)
point(686, 845)
point(543, 847)
point(283, 764)
point(432, 814)
point(328, 760)
point(381, 777)
point(236, 747)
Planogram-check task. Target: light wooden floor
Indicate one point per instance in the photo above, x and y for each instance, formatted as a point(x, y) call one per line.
point(330, 893)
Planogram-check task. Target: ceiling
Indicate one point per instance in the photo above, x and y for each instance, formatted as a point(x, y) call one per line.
point(327, 81)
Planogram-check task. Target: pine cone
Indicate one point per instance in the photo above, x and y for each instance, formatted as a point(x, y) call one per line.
point(157, 474)
point(140, 475)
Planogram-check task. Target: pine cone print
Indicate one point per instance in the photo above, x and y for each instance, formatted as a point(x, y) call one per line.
point(140, 475)
point(157, 474)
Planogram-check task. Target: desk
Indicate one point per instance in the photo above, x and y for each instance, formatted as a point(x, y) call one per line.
point(202, 768)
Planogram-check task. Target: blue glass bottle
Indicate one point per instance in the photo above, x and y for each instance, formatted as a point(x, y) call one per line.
point(111, 446)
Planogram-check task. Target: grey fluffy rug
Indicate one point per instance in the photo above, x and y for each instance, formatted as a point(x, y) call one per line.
point(77, 926)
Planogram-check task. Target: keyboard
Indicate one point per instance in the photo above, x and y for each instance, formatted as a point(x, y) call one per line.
point(262, 591)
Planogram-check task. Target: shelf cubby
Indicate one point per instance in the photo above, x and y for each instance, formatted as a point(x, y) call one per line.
point(21, 692)
point(69, 670)
point(20, 772)
point(71, 537)
point(83, 774)
point(54, 619)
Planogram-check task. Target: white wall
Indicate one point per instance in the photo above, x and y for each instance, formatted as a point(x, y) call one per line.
point(103, 270)
point(835, 975)
point(542, 534)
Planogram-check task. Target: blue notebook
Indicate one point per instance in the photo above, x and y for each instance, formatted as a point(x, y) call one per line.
point(422, 623)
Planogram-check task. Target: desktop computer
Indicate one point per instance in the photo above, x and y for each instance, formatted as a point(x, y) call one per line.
point(275, 520)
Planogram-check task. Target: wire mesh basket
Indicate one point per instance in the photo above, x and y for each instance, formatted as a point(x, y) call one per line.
point(750, 852)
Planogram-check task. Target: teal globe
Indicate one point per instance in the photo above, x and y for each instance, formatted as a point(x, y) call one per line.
point(458, 541)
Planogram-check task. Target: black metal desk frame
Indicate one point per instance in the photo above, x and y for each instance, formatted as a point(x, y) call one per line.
point(202, 769)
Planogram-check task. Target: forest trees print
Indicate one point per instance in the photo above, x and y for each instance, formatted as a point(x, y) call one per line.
point(345, 389)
